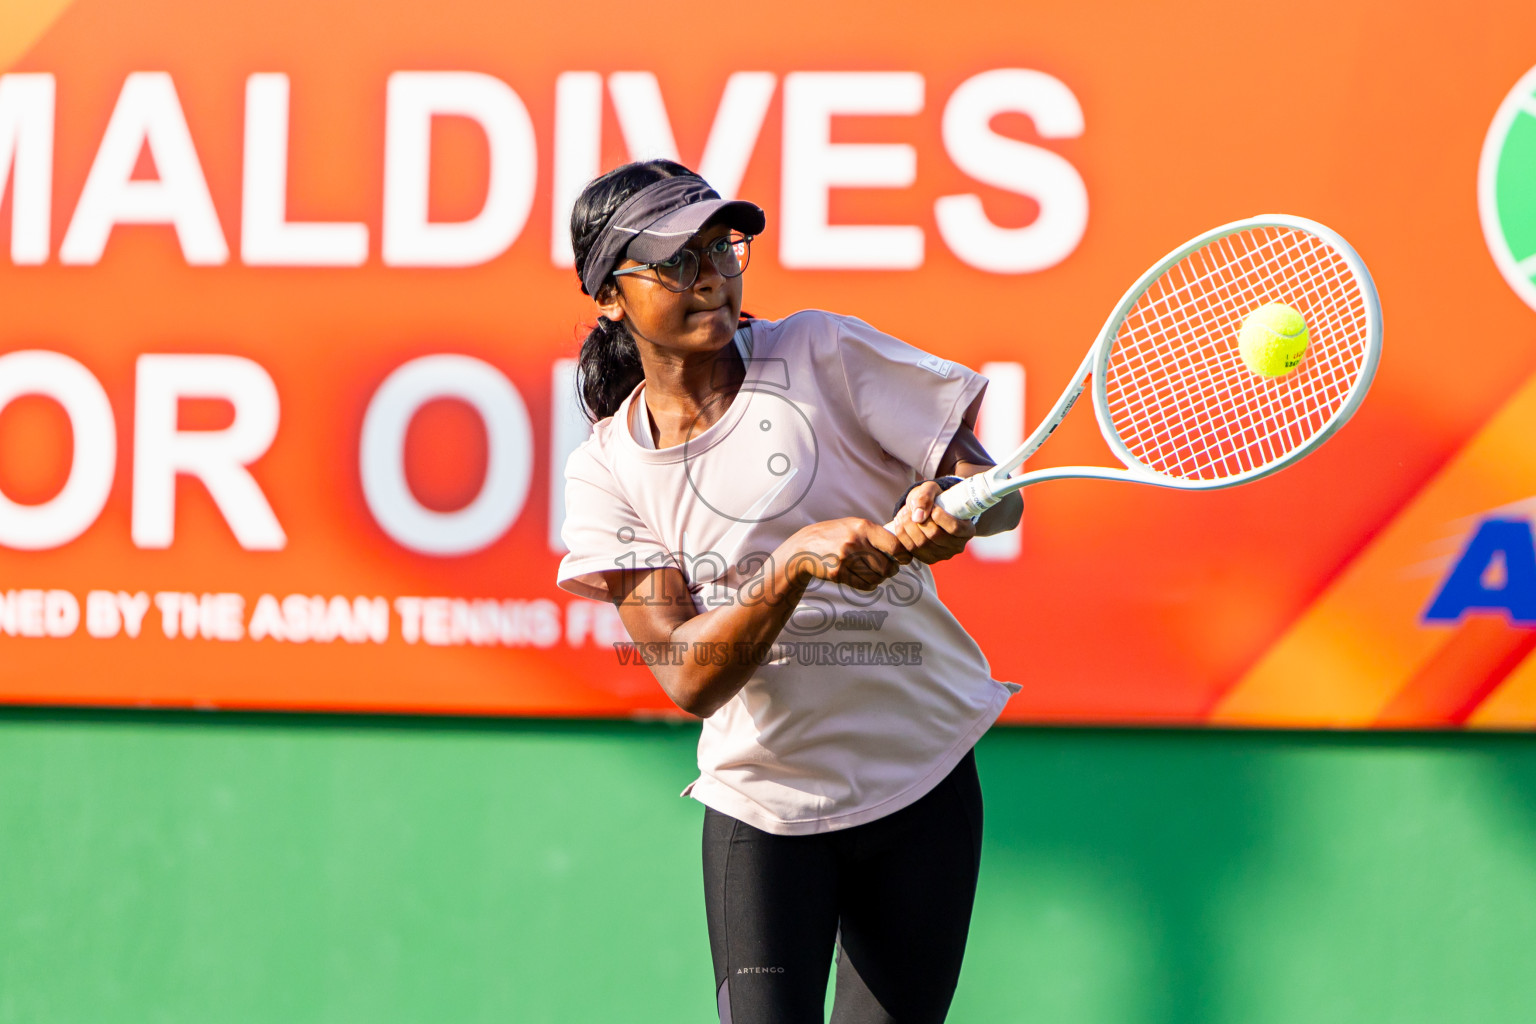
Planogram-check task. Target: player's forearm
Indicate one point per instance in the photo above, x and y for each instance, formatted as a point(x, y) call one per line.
point(1002, 517)
point(724, 645)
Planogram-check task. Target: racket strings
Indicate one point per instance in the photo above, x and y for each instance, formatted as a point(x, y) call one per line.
point(1181, 398)
point(1264, 444)
point(1178, 396)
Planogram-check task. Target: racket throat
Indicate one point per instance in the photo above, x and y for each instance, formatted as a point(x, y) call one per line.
point(1047, 426)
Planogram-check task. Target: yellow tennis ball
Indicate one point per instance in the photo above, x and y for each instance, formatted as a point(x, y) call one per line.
point(1273, 339)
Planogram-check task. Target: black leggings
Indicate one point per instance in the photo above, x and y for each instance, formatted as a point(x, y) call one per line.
point(894, 894)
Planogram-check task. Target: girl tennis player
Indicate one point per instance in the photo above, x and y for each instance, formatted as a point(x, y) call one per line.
point(730, 502)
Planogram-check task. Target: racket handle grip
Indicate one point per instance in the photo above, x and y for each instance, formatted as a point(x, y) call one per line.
point(970, 497)
point(965, 500)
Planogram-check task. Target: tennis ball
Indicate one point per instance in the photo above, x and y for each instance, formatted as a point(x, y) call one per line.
point(1273, 339)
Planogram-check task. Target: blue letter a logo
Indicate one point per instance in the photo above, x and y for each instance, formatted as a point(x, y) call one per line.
point(1473, 585)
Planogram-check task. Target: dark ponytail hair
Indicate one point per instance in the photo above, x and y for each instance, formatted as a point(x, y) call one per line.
point(608, 368)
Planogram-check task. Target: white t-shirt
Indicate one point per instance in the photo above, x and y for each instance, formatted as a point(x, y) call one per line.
point(867, 700)
point(639, 421)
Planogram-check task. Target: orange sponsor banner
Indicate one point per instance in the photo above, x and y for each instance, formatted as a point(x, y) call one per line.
point(285, 379)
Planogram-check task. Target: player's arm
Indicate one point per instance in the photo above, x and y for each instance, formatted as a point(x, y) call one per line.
point(719, 648)
point(932, 534)
point(966, 457)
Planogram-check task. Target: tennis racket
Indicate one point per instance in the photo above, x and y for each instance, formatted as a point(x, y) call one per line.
point(1172, 395)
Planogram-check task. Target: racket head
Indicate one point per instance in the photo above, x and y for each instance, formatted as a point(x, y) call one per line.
point(1172, 395)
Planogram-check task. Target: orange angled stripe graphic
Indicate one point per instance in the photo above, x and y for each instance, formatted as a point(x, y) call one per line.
point(22, 22)
point(1470, 666)
point(1513, 704)
point(1363, 655)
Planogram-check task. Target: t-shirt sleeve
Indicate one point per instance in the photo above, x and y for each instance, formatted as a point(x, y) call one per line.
point(910, 401)
point(602, 532)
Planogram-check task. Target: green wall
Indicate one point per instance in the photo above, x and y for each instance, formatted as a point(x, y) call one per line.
point(204, 867)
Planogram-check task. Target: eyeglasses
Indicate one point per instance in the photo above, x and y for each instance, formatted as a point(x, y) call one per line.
point(729, 255)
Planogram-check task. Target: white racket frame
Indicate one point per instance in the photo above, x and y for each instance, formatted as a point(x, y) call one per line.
point(974, 495)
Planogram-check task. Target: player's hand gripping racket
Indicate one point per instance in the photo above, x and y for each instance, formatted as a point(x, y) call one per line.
point(1174, 397)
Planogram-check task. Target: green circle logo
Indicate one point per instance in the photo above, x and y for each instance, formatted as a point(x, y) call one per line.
point(1506, 188)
